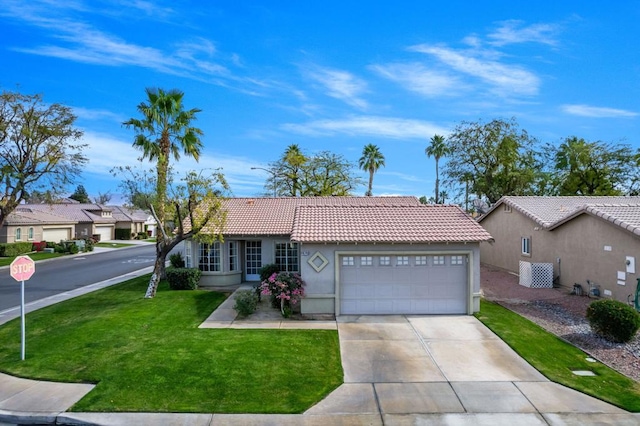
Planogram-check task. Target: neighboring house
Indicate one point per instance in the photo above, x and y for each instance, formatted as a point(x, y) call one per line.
point(65, 221)
point(584, 238)
point(357, 255)
point(28, 224)
point(135, 221)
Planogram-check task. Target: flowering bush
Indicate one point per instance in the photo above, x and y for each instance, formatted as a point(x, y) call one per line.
point(285, 289)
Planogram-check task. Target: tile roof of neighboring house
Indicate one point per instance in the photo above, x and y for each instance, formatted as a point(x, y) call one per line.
point(275, 216)
point(24, 215)
point(386, 224)
point(552, 212)
point(626, 216)
point(123, 214)
point(73, 213)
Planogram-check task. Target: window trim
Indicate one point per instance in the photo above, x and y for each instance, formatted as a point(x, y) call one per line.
point(348, 261)
point(387, 260)
point(18, 234)
point(366, 261)
point(291, 262)
point(525, 246)
point(212, 266)
point(402, 260)
point(235, 265)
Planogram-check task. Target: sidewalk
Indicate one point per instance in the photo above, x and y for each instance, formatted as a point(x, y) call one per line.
point(398, 371)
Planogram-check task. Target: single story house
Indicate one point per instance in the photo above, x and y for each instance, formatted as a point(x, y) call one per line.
point(29, 224)
point(64, 221)
point(357, 255)
point(584, 238)
point(135, 221)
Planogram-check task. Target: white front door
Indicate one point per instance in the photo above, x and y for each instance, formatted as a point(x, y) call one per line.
point(253, 260)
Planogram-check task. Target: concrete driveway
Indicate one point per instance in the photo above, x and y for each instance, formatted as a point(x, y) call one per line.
point(448, 369)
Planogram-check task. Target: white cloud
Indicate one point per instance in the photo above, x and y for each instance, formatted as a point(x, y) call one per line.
point(384, 127)
point(97, 114)
point(106, 152)
point(416, 77)
point(597, 112)
point(504, 79)
point(514, 31)
point(341, 85)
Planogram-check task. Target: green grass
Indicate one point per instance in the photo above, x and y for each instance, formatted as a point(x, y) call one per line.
point(556, 358)
point(113, 245)
point(6, 261)
point(149, 355)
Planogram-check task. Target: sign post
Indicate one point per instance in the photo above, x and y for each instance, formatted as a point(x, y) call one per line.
point(22, 268)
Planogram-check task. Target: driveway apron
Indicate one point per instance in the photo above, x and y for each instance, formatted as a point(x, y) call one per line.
point(437, 369)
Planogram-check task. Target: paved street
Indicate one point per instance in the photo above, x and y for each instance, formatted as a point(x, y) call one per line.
point(66, 274)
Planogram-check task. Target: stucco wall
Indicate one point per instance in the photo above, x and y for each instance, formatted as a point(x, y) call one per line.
point(322, 293)
point(8, 233)
point(579, 245)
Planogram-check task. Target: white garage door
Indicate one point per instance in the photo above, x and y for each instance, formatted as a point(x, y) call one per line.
point(392, 284)
point(105, 232)
point(55, 235)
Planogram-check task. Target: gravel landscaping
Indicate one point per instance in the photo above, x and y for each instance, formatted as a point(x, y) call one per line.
point(562, 314)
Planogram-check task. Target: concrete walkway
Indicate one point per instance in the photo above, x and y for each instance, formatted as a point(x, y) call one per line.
point(398, 370)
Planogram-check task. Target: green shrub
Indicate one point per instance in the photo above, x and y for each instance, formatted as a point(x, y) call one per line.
point(267, 270)
point(123, 234)
point(246, 302)
point(72, 248)
point(183, 278)
point(176, 260)
point(15, 249)
point(613, 320)
point(88, 244)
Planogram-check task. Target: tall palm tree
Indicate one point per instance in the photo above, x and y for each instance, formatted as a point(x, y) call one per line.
point(163, 131)
point(371, 160)
point(437, 149)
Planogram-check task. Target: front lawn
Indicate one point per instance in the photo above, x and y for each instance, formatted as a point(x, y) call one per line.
point(556, 358)
point(148, 355)
point(6, 261)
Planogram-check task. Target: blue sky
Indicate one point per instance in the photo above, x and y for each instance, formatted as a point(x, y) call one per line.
point(328, 75)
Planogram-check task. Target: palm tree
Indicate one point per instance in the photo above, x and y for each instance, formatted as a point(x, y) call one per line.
point(371, 160)
point(164, 130)
point(437, 149)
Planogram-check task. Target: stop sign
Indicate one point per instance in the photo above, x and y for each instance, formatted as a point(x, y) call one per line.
point(22, 268)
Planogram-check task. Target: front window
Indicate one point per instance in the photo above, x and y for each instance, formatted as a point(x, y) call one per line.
point(187, 254)
point(287, 256)
point(209, 259)
point(526, 246)
point(30, 233)
point(18, 234)
point(233, 255)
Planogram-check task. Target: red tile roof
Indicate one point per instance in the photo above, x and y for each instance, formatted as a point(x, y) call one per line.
point(275, 216)
point(386, 224)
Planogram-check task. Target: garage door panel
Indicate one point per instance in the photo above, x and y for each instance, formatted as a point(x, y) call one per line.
point(56, 234)
point(403, 289)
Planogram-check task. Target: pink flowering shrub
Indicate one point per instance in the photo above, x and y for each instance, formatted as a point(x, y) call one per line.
point(285, 288)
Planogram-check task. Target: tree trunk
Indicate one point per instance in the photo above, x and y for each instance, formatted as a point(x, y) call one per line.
point(159, 267)
point(370, 191)
point(437, 182)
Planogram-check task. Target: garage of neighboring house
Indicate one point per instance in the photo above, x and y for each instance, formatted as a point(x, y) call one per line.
point(409, 283)
point(56, 234)
point(105, 232)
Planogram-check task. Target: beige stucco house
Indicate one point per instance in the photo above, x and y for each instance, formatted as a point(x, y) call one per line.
point(584, 238)
point(357, 255)
point(65, 221)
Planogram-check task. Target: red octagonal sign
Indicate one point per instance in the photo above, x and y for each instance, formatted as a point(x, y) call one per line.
point(22, 268)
